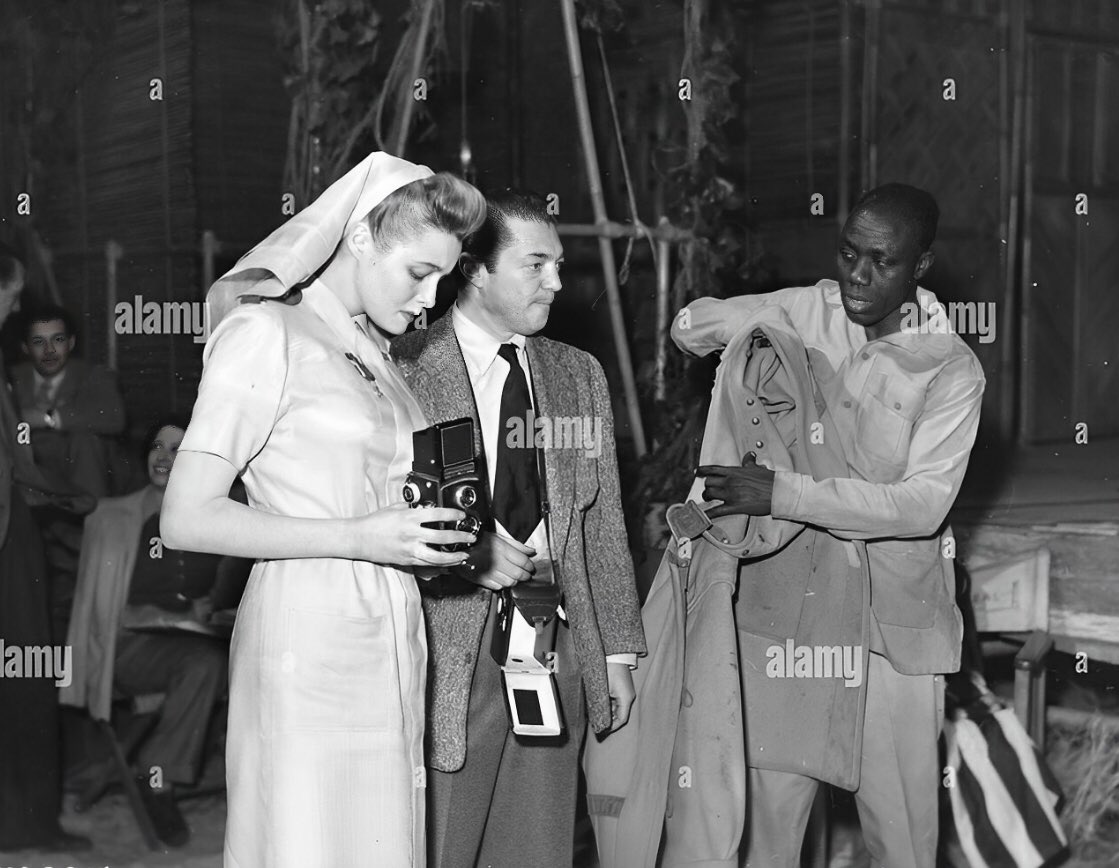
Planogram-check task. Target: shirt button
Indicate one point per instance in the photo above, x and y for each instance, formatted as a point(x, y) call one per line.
point(865, 356)
point(759, 444)
point(897, 406)
point(755, 420)
point(846, 403)
point(749, 401)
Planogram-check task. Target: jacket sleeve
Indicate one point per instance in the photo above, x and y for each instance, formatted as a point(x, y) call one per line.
point(915, 507)
point(98, 407)
point(609, 565)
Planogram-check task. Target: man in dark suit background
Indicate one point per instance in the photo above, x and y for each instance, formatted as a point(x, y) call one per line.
point(30, 780)
point(497, 799)
point(72, 407)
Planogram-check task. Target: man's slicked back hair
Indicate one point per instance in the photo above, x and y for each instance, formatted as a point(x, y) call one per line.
point(48, 313)
point(486, 244)
point(915, 206)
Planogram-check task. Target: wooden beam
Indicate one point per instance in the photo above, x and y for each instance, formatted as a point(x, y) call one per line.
point(407, 103)
point(594, 181)
point(610, 229)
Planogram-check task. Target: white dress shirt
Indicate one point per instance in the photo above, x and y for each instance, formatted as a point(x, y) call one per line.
point(487, 372)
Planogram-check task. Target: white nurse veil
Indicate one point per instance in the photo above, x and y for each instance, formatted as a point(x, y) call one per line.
point(299, 248)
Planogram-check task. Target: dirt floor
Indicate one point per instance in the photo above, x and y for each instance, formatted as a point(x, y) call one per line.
point(117, 842)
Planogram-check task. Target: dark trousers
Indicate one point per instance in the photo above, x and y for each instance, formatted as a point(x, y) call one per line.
point(512, 803)
point(30, 787)
point(192, 672)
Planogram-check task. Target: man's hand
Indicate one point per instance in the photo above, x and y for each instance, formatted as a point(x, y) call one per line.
point(496, 562)
point(745, 490)
point(622, 694)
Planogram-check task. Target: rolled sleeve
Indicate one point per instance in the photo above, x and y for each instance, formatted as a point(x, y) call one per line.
point(245, 369)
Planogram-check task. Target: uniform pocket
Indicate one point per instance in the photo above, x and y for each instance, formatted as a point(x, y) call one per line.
point(338, 673)
point(888, 409)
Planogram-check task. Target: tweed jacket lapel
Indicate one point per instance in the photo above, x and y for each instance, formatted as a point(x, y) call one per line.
point(550, 389)
point(444, 390)
point(442, 386)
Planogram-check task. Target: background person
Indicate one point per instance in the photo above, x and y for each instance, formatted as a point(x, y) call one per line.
point(325, 743)
point(125, 570)
point(72, 407)
point(30, 785)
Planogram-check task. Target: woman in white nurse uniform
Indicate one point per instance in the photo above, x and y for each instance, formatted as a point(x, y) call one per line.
point(299, 397)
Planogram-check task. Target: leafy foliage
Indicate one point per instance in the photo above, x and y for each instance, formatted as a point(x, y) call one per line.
point(340, 85)
point(705, 184)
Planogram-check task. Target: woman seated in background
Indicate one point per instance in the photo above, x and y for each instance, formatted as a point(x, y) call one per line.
point(128, 581)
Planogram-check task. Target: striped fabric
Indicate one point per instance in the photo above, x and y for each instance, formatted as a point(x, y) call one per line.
point(1004, 798)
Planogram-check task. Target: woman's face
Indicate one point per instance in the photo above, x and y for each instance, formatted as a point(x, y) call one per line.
point(395, 285)
point(161, 454)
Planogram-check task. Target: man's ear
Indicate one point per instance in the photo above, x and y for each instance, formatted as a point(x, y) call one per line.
point(72, 342)
point(924, 263)
point(473, 270)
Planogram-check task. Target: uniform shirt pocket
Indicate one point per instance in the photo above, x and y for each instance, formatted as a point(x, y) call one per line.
point(888, 410)
point(338, 673)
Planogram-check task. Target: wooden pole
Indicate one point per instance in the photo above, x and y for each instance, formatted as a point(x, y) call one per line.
point(869, 142)
point(209, 251)
point(594, 181)
point(113, 253)
point(1025, 317)
point(409, 103)
point(844, 203)
point(664, 250)
point(1012, 336)
point(663, 231)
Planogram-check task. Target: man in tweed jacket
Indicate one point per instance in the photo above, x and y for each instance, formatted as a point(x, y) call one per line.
point(495, 798)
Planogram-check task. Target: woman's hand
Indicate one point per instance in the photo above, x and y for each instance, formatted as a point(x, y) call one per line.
point(396, 535)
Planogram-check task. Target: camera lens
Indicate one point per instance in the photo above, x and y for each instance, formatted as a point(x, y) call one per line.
point(467, 496)
point(470, 524)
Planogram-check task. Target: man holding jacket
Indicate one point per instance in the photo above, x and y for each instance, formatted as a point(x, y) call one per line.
point(904, 397)
point(543, 413)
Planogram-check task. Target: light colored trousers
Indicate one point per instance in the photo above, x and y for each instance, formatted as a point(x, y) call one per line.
point(897, 794)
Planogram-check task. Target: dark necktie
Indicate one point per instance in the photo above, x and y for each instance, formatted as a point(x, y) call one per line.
point(516, 488)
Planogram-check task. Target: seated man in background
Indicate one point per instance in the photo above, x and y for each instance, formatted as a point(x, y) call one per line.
point(71, 406)
point(140, 619)
point(73, 409)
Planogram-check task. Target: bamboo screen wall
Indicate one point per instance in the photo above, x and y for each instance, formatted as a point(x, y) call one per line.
point(844, 95)
point(133, 184)
point(1071, 282)
point(957, 148)
point(153, 175)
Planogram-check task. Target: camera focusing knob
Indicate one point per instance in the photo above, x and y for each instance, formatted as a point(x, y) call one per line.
point(411, 493)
